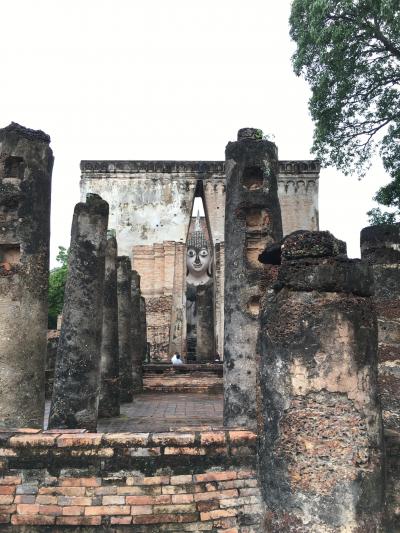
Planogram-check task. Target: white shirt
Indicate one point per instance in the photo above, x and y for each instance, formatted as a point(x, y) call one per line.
point(176, 361)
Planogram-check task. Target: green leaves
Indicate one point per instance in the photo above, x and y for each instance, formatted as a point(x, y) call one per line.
point(57, 279)
point(349, 52)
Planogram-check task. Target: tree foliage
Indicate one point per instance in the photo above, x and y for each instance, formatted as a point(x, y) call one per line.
point(349, 52)
point(57, 279)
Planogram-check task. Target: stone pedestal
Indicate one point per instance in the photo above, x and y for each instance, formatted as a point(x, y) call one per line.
point(320, 453)
point(380, 246)
point(136, 334)
point(26, 163)
point(109, 393)
point(252, 220)
point(124, 280)
point(77, 375)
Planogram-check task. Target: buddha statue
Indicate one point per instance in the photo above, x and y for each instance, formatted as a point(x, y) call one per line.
point(198, 257)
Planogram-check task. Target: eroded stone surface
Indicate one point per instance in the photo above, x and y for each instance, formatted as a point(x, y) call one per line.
point(380, 246)
point(77, 374)
point(124, 281)
point(321, 434)
point(252, 220)
point(109, 390)
point(26, 163)
point(136, 333)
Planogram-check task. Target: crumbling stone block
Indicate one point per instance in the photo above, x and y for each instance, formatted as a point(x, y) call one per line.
point(321, 441)
point(124, 281)
point(136, 332)
point(380, 246)
point(77, 375)
point(252, 220)
point(26, 163)
point(109, 393)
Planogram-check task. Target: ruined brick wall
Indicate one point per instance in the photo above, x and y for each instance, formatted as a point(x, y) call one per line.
point(162, 268)
point(182, 481)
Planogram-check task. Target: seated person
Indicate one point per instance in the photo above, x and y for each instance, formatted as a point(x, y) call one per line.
point(176, 359)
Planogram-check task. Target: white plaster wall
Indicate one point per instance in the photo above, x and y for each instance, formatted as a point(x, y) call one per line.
point(145, 210)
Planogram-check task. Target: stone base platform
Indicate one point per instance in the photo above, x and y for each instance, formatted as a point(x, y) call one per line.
point(206, 378)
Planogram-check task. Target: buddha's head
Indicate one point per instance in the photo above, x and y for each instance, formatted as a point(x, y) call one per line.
point(198, 258)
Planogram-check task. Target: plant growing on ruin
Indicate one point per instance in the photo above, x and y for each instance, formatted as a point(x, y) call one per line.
point(57, 279)
point(349, 52)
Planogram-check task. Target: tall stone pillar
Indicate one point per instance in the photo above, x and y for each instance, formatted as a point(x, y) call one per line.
point(109, 392)
point(124, 280)
point(77, 374)
point(143, 327)
point(321, 441)
point(136, 335)
point(205, 342)
point(252, 220)
point(380, 246)
point(26, 163)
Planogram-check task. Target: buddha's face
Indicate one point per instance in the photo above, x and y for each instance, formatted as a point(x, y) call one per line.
point(198, 262)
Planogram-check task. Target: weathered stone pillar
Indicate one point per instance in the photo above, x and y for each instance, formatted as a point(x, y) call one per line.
point(252, 220)
point(380, 246)
point(77, 375)
point(109, 393)
point(26, 163)
point(124, 280)
point(205, 345)
point(321, 441)
point(136, 335)
point(143, 327)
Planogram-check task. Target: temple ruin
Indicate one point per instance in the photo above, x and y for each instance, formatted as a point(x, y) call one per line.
point(271, 421)
point(151, 204)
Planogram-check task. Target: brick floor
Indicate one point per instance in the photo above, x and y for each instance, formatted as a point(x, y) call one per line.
point(158, 411)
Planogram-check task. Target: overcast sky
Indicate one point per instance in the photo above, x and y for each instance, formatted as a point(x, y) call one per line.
point(161, 79)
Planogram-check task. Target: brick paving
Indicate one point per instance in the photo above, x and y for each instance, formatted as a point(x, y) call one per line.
point(157, 411)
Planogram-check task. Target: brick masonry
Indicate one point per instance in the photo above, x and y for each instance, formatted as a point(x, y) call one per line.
point(151, 482)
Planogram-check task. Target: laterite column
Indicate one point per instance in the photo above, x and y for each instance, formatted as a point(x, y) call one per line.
point(124, 280)
point(380, 247)
point(136, 332)
point(26, 163)
point(77, 374)
point(252, 221)
point(320, 455)
point(109, 393)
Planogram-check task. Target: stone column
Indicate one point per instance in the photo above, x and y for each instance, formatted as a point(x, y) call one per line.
point(26, 163)
point(124, 278)
point(380, 246)
point(252, 220)
point(77, 375)
point(109, 393)
point(143, 327)
point(136, 335)
point(320, 453)
point(205, 345)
